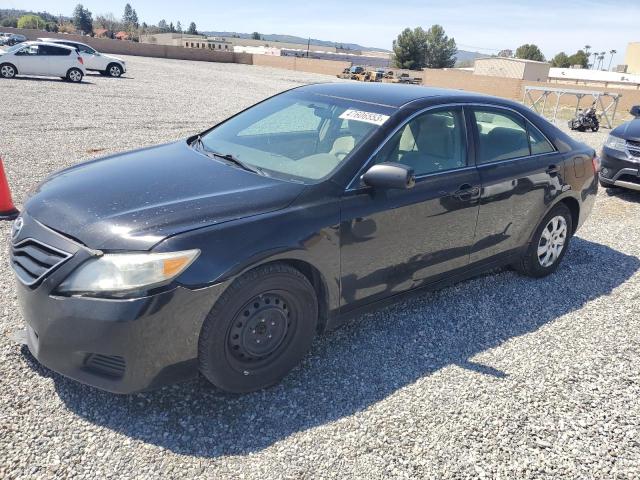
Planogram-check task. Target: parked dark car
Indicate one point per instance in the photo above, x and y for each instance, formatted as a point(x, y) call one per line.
point(226, 253)
point(621, 155)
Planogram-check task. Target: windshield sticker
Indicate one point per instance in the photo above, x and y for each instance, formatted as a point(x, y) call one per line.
point(367, 117)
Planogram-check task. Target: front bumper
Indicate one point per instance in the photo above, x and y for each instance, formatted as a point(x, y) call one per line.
point(118, 345)
point(619, 170)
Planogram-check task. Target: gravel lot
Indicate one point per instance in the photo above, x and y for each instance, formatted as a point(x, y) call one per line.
point(500, 376)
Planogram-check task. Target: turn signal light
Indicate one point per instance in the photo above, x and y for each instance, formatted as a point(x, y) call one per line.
point(595, 163)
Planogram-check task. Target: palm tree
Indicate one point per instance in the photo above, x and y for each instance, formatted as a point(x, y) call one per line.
point(595, 55)
point(612, 52)
point(601, 59)
point(586, 49)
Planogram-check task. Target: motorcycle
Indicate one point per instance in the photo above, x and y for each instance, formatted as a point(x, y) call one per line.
point(586, 119)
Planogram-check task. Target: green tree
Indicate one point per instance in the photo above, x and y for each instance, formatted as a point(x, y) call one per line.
point(82, 19)
point(579, 58)
point(134, 19)
point(31, 21)
point(179, 27)
point(11, 22)
point(561, 60)
point(192, 29)
point(529, 52)
point(440, 50)
point(127, 18)
point(162, 25)
point(256, 36)
point(507, 53)
point(409, 49)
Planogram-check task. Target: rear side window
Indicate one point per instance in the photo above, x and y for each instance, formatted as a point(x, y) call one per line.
point(54, 51)
point(539, 143)
point(502, 135)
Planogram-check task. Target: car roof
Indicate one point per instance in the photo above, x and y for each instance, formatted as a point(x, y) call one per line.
point(36, 42)
point(387, 94)
point(60, 40)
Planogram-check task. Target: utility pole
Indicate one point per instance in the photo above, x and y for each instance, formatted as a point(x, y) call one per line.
point(308, 46)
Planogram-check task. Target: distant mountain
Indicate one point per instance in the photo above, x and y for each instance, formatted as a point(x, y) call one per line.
point(464, 57)
point(293, 39)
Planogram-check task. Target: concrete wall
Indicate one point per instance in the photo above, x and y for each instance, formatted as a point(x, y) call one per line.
point(632, 58)
point(121, 47)
point(325, 67)
point(538, 72)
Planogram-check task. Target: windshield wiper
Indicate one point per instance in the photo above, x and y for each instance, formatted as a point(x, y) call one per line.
point(199, 144)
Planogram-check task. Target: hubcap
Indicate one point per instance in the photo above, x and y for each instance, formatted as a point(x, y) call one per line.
point(259, 329)
point(115, 71)
point(7, 71)
point(75, 76)
point(552, 241)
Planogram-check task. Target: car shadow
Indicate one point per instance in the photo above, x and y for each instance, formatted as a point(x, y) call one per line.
point(360, 364)
point(624, 194)
point(50, 79)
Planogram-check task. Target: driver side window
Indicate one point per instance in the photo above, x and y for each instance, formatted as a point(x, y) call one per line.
point(431, 142)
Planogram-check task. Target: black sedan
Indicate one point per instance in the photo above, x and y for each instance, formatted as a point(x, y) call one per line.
point(621, 155)
point(227, 252)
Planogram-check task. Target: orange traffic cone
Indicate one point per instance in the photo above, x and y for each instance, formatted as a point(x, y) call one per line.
point(7, 210)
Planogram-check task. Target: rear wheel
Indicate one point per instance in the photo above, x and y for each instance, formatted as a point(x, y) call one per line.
point(259, 329)
point(549, 244)
point(7, 70)
point(75, 75)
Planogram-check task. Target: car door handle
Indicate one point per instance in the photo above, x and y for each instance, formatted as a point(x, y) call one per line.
point(466, 192)
point(552, 170)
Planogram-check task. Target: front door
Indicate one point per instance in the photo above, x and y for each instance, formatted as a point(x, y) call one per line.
point(395, 240)
point(30, 62)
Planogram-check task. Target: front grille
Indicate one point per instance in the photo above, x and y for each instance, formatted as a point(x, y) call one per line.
point(107, 365)
point(33, 260)
point(634, 148)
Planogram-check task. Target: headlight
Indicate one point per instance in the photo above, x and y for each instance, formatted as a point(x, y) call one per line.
point(123, 272)
point(616, 143)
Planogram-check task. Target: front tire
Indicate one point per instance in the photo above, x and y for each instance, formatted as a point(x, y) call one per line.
point(114, 70)
point(75, 75)
point(549, 243)
point(260, 328)
point(7, 70)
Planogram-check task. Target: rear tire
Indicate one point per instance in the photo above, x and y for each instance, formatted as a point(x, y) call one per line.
point(7, 70)
point(75, 75)
point(259, 329)
point(549, 244)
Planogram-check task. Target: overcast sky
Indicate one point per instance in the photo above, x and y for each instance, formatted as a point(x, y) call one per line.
point(485, 26)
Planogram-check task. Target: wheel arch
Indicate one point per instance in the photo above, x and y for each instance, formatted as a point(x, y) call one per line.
point(574, 207)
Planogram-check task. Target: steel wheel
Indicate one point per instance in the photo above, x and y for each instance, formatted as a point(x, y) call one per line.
point(260, 330)
point(115, 71)
point(552, 241)
point(7, 71)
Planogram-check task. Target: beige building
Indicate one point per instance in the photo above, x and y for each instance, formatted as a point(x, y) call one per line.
point(512, 68)
point(188, 41)
point(632, 58)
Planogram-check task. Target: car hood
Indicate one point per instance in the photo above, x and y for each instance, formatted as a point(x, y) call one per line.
point(628, 131)
point(132, 201)
point(109, 57)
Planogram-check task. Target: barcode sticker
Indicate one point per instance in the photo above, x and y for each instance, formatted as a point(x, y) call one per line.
point(367, 117)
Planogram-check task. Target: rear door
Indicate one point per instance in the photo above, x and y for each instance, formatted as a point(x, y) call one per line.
point(57, 59)
point(521, 173)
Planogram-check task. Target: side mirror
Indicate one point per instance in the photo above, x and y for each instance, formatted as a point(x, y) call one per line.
point(635, 111)
point(390, 175)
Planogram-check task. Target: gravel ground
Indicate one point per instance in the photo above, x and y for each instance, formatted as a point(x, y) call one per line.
point(501, 376)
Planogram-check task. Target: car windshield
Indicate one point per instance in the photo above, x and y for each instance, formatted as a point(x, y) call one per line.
point(296, 135)
point(15, 47)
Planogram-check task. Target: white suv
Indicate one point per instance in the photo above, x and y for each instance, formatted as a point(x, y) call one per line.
point(43, 59)
point(93, 60)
